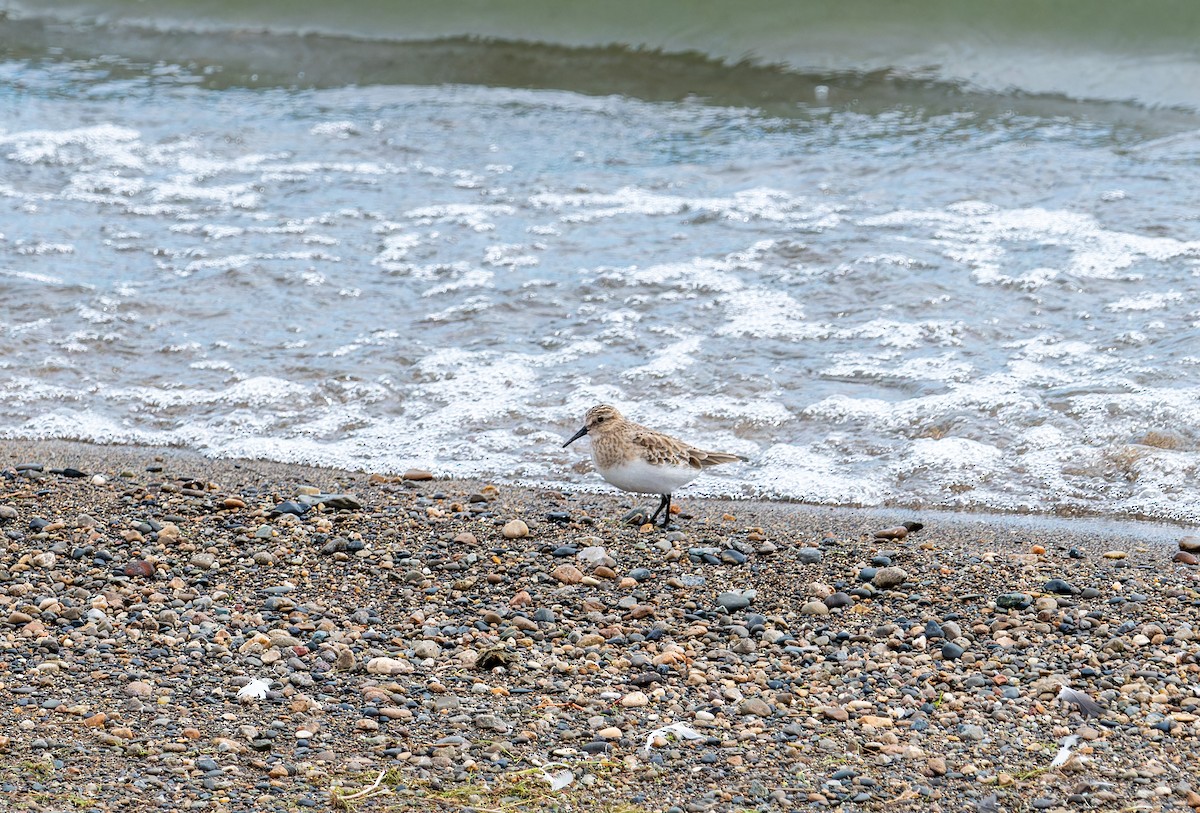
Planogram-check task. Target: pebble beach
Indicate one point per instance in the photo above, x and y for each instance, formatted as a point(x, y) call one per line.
point(413, 643)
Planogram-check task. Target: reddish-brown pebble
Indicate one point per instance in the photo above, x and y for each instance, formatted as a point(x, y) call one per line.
point(138, 567)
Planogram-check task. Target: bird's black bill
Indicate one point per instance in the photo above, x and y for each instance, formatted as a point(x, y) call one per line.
point(576, 437)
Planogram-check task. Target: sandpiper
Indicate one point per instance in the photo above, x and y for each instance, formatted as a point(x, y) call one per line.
point(634, 458)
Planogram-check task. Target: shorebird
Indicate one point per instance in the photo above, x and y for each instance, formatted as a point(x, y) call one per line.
point(634, 458)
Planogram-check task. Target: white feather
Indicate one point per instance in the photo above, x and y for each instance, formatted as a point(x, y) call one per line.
point(1064, 753)
point(558, 781)
point(254, 690)
point(681, 730)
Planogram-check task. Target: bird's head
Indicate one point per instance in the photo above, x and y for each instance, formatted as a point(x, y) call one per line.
point(599, 419)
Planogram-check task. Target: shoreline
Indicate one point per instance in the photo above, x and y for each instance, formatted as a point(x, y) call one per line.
point(68, 452)
point(429, 644)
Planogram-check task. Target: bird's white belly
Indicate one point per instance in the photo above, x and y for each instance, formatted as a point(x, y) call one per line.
point(645, 478)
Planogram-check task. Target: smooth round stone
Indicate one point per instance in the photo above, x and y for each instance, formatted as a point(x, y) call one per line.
point(635, 700)
point(1076, 553)
point(733, 557)
point(809, 556)
point(567, 574)
point(881, 561)
point(1089, 592)
point(734, 601)
point(1190, 544)
point(564, 551)
point(971, 732)
point(515, 529)
point(838, 599)
point(426, 649)
point(933, 630)
point(1060, 587)
point(544, 614)
point(640, 574)
point(952, 651)
point(815, 608)
point(755, 707)
point(558, 516)
point(867, 573)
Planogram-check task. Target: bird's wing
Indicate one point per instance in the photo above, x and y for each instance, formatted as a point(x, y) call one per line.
point(665, 450)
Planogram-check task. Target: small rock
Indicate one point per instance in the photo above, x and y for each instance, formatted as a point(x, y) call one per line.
point(426, 649)
point(755, 707)
point(389, 666)
point(417, 475)
point(1186, 558)
point(635, 517)
point(1190, 543)
point(138, 688)
point(1060, 587)
point(515, 529)
point(288, 507)
point(970, 732)
point(890, 577)
point(204, 561)
point(734, 601)
point(952, 651)
point(338, 502)
point(1115, 554)
point(1014, 601)
point(635, 700)
point(567, 574)
point(838, 599)
point(138, 567)
point(815, 608)
point(808, 556)
point(7, 512)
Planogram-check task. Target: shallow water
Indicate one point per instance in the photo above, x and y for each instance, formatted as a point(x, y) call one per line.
point(886, 292)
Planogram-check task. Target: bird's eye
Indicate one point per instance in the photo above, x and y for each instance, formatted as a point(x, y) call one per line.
point(600, 419)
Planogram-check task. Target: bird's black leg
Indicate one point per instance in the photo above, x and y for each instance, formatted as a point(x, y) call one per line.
point(665, 504)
